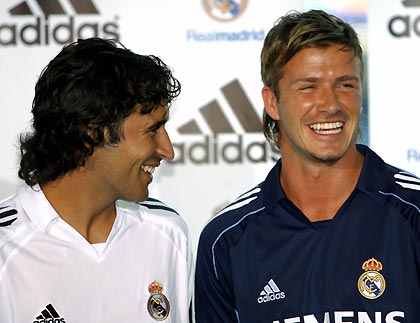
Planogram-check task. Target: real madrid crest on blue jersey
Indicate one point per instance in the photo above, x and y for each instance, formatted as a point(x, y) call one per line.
point(371, 283)
point(157, 305)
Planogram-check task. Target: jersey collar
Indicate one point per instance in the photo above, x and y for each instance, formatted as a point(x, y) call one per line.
point(370, 179)
point(37, 207)
point(372, 176)
point(271, 188)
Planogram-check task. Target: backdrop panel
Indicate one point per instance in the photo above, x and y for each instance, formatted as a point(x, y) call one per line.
point(215, 124)
point(394, 69)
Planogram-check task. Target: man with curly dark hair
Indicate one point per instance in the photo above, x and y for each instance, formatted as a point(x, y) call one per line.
point(81, 241)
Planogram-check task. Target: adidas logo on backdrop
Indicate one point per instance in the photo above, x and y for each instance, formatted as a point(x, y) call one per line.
point(236, 133)
point(40, 22)
point(405, 24)
point(270, 293)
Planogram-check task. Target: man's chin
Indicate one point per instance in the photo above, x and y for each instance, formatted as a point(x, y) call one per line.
point(139, 197)
point(144, 196)
point(327, 158)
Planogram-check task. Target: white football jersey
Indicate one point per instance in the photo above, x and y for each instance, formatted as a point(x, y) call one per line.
point(49, 273)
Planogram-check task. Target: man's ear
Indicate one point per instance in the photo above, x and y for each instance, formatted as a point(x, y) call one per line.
point(270, 103)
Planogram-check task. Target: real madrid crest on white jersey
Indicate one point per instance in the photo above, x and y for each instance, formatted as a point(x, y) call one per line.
point(371, 283)
point(157, 305)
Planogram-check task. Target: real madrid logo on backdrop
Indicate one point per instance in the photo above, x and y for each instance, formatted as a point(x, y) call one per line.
point(371, 283)
point(225, 10)
point(157, 305)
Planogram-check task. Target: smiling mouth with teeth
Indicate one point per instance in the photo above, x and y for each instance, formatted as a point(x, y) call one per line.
point(148, 169)
point(327, 128)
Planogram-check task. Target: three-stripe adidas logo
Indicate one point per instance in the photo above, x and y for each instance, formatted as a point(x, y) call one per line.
point(271, 292)
point(232, 135)
point(7, 216)
point(407, 180)
point(49, 315)
point(55, 21)
point(54, 7)
point(411, 3)
point(217, 120)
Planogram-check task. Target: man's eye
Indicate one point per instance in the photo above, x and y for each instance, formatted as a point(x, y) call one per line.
point(307, 87)
point(155, 129)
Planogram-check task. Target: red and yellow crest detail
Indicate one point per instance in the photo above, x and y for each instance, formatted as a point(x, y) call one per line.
point(371, 283)
point(157, 305)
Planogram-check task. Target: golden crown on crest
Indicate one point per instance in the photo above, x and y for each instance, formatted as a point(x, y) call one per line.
point(155, 287)
point(372, 264)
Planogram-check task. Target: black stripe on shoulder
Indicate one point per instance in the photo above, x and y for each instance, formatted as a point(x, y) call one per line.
point(7, 216)
point(151, 199)
point(154, 204)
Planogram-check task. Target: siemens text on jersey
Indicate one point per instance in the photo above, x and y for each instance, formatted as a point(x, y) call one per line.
point(349, 317)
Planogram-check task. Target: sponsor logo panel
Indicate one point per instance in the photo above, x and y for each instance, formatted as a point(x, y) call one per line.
point(52, 23)
point(224, 144)
point(405, 25)
point(225, 11)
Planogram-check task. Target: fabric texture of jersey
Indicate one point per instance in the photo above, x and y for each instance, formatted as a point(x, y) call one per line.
point(49, 273)
point(261, 260)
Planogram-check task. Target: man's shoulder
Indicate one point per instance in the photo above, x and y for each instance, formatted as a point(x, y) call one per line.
point(394, 187)
point(158, 207)
point(9, 211)
point(15, 227)
point(235, 214)
point(158, 214)
point(12, 215)
point(390, 181)
point(404, 186)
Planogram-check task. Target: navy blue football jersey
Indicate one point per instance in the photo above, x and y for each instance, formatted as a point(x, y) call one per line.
point(261, 260)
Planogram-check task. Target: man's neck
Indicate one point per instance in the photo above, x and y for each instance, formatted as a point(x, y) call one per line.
point(82, 206)
point(320, 189)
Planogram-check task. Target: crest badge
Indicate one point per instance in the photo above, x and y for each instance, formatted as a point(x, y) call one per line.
point(371, 283)
point(158, 305)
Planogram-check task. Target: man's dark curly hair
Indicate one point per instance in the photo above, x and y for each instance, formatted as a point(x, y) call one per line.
point(87, 90)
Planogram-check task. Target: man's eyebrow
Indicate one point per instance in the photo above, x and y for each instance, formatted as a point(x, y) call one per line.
point(160, 122)
point(300, 81)
point(306, 79)
point(316, 79)
point(349, 78)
